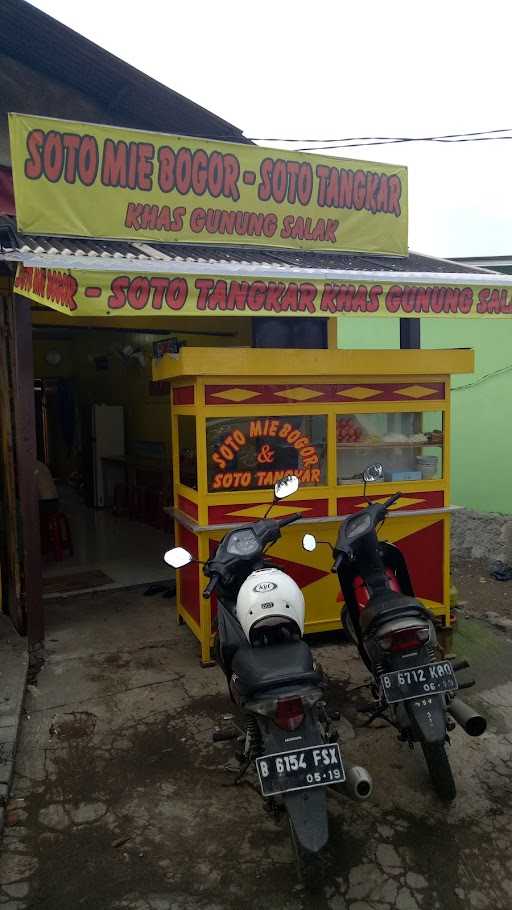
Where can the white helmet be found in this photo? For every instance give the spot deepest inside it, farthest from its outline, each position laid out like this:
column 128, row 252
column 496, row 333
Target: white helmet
column 269, row 600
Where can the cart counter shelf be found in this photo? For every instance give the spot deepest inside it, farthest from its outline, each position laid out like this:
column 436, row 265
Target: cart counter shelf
column 387, row 445
column 244, row 418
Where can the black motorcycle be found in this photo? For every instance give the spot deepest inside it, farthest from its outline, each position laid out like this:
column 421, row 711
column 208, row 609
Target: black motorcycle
column 414, row 688
column 285, row 732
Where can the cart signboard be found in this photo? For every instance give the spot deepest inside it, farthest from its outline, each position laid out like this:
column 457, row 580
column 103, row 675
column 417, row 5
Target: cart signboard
column 255, row 453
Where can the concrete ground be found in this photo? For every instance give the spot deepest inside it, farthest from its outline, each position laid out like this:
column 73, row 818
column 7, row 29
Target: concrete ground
column 484, row 597
column 120, row 798
column 13, row 675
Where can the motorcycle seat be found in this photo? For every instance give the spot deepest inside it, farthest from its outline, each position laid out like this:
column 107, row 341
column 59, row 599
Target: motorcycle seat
column 388, row 605
column 267, row 668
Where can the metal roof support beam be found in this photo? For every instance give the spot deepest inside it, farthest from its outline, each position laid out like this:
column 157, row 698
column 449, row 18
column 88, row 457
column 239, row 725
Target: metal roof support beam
column 410, row 333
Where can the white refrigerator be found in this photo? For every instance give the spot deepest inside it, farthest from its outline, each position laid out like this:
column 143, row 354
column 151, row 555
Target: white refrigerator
column 107, row 438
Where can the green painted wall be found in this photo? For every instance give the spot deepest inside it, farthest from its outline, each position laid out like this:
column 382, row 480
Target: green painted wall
column 481, row 413
column 356, row 333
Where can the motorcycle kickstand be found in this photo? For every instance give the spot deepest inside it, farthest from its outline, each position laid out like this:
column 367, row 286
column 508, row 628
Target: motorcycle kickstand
column 239, row 772
column 377, row 714
column 239, row 782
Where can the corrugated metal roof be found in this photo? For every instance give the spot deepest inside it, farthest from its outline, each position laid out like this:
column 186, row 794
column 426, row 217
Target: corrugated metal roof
column 496, row 263
column 14, row 246
column 13, row 242
column 129, row 97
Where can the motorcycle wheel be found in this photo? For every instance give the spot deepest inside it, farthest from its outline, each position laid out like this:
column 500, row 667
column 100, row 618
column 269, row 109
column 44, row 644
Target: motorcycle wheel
column 440, row 771
column 310, row 866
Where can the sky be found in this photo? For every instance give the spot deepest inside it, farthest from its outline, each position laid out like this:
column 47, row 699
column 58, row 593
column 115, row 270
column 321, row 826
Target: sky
column 289, row 69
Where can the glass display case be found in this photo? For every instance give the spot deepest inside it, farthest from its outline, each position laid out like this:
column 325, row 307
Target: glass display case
column 409, row 445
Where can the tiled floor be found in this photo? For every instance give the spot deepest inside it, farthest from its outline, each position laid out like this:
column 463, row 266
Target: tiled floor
column 129, row 552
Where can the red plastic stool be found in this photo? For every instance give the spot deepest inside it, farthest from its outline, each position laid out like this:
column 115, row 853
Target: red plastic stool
column 56, row 535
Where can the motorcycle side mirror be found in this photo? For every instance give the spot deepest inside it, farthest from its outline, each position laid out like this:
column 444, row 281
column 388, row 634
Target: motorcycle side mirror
column 178, row 557
column 309, row 542
column 286, row 487
column 372, row 473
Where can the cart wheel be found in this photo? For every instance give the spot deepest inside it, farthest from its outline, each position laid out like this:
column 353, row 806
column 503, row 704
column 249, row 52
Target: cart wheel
column 440, row 771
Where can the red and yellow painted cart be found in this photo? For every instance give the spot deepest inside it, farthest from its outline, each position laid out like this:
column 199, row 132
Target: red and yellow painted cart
column 241, row 418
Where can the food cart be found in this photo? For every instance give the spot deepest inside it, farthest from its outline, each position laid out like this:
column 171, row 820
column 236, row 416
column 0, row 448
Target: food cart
column 242, row 420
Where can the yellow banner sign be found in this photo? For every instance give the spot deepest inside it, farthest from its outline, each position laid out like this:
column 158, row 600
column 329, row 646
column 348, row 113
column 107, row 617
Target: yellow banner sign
column 87, row 180
column 106, row 293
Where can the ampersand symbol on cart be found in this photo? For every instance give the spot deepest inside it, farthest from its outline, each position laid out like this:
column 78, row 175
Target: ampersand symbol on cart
column 265, row 455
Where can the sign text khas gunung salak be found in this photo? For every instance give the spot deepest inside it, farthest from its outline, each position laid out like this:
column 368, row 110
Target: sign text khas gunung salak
column 91, row 180
column 84, row 292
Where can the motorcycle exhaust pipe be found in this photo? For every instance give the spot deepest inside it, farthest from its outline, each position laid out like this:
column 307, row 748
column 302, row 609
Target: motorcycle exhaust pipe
column 358, row 783
column 470, row 721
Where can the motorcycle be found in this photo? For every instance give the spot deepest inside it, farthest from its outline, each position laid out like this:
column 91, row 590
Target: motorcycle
column 285, row 733
column 413, row 687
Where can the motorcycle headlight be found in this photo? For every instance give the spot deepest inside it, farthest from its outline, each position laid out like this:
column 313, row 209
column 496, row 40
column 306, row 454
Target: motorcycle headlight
column 358, row 526
column 243, row 543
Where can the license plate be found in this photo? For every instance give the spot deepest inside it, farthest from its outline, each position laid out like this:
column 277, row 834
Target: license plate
column 315, row 766
column 431, row 679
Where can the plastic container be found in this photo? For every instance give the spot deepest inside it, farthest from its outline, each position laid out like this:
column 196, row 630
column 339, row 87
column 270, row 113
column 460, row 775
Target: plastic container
column 427, row 465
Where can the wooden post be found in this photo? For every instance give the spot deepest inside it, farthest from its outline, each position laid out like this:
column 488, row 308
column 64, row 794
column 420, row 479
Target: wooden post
column 26, row 454
column 9, row 556
column 332, row 333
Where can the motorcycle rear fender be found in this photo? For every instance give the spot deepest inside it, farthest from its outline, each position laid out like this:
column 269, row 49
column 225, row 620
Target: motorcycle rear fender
column 427, row 718
column 307, row 809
